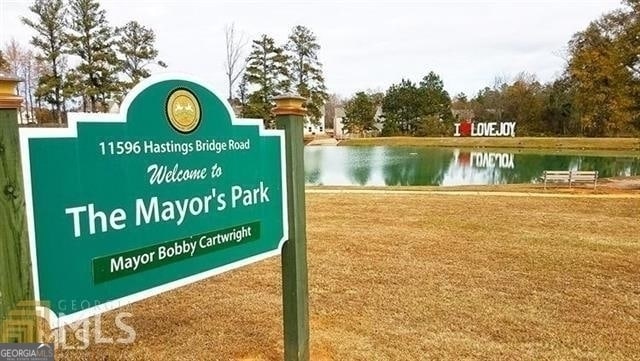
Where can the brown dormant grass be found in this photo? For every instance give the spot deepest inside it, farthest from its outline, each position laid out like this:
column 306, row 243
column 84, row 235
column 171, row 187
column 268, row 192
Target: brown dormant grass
column 421, row 277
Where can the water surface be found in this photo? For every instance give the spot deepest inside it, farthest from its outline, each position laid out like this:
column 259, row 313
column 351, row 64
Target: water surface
column 389, row 166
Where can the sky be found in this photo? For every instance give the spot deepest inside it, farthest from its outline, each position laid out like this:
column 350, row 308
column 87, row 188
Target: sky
column 365, row 45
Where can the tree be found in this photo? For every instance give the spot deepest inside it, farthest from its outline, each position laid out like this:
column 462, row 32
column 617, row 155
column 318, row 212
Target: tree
column 243, row 94
column 417, row 110
column 488, row 104
column 605, row 70
column 559, row 115
column 306, row 70
column 136, row 48
column 14, row 55
column 360, row 112
column 461, row 98
column 92, row 40
column 23, row 64
column 4, row 65
column 49, row 25
column 377, row 96
column 629, row 41
column 523, row 101
column 594, row 70
column 402, row 108
column 233, row 65
column 435, row 100
column 631, row 58
column 267, row 74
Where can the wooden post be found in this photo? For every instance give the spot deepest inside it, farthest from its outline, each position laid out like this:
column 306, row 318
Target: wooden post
column 15, row 264
column 295, row 289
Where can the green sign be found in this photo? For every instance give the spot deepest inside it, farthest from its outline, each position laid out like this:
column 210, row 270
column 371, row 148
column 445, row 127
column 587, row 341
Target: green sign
column 171, row 190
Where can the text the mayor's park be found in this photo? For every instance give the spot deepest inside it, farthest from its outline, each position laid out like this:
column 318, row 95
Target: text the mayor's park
column 90, row 219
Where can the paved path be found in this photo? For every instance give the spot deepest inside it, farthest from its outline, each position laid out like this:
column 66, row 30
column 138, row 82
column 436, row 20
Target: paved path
column 474, row 193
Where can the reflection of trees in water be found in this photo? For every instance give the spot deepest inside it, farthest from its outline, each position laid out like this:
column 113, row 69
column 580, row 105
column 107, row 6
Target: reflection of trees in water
column 360, row 160
column 530, row 167
column 312, row 164
column 611, row 166
column 423, row 167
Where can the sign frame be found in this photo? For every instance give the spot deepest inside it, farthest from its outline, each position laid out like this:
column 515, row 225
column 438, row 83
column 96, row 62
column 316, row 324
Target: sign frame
column 25, row 134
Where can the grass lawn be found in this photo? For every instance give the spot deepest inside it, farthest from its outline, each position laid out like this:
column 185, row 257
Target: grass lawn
column 420, row 277
column 628, row 144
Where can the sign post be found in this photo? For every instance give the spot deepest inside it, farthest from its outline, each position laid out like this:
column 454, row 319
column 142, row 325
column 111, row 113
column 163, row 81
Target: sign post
column 15, row 270
column 295, row 290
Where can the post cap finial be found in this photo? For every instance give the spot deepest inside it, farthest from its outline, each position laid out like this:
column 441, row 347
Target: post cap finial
column 9, row 98
column 289, row 104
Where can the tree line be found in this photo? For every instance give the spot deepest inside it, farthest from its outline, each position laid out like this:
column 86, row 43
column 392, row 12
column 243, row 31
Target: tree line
column 598, row 93
column 79, row 60
column 109, row 61
column 273, row 69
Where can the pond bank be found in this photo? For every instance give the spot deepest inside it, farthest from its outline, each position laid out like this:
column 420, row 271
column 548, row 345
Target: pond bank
column 614, row 187
column 621, row 144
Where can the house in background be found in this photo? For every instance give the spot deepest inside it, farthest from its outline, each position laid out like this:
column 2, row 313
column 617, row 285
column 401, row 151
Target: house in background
column 378, row 120
column 338, row 124
column 462, row 114
column 312, row 129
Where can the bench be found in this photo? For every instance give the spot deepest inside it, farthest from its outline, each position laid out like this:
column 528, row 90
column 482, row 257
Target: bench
column 573, row 176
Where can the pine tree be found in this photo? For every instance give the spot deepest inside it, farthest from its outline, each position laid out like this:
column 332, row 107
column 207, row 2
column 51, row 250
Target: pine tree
column 137, row 51
column 402, row 108
column 306, row 70
column 267, row 74
column 360, row 113
column 417, row 110
column 49, row 25
column 435, row 100
column 243, row 94
column 92, row 40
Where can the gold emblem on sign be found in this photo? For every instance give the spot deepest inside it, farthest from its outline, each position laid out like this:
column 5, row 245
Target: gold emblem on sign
column 183, row 111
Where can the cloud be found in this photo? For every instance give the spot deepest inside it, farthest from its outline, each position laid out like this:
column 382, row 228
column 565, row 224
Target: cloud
column 365, row 44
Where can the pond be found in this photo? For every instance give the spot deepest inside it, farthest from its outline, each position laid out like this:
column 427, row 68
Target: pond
column 409, row 166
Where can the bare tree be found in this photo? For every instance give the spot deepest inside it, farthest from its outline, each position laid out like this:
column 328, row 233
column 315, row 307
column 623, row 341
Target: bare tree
column 23, row 64
column 234, row 64
column 31, row 75
column 13, row 53
column 15, row 58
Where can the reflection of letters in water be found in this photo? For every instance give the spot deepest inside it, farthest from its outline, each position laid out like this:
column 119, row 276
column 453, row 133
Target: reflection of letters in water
column 492, row 160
